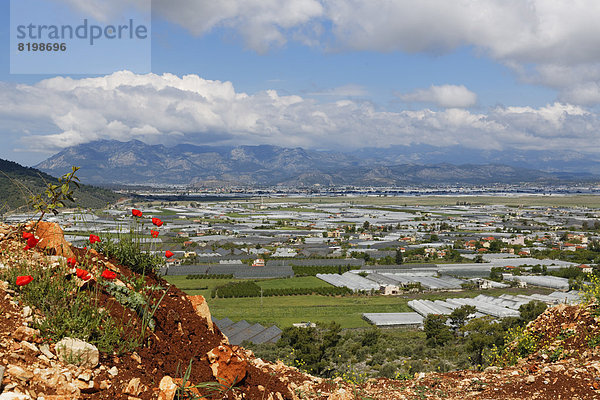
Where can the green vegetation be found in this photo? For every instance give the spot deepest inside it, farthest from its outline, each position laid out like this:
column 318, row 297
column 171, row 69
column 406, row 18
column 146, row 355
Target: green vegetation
column 302, row 282
column 312, row 270
column 18, row 183
column 128, row 251
column 68, row 311
column 210, row 276
column 251, row 289
column 286, row 310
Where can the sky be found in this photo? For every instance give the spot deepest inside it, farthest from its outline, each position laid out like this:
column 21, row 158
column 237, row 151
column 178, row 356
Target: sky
column 333, row 75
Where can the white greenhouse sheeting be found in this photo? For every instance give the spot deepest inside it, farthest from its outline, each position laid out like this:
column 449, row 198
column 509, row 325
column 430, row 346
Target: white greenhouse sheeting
column 393, row 319
column 553, row 282
column 349, row 280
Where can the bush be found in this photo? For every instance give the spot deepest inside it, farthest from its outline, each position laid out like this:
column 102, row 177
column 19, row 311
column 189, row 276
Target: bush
column 129, row 253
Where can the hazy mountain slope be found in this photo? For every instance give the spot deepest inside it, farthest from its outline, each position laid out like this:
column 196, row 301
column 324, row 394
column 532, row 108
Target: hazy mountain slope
column 14, row 196
column 133, row 162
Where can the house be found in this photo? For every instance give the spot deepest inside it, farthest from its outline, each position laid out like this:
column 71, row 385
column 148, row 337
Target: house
column 516, row 241
column 259, row 262
column 334, row 234
column 586, row 269
column 390, row 290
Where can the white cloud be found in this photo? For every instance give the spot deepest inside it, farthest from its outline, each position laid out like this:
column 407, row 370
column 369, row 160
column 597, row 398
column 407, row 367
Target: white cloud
column 448, row 96
column 60, row 112
column 554, row 43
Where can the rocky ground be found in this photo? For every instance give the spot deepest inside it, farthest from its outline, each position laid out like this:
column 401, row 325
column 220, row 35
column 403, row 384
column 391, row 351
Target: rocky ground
column 564, row 365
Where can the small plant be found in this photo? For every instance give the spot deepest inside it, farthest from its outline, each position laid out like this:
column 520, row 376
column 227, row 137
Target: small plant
column 55, row 195
column 187, row 391
column 65, row 309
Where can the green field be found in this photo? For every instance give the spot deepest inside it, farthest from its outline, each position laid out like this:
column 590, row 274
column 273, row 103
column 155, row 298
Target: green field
column 286, row 310
column 301, row 282
column 547, row 201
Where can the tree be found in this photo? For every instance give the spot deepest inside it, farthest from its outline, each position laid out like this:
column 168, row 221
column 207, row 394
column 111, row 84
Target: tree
column 459, row 316
column 436, row 330
column 483, row 333
column 366, row 225
column 371, row 336
column 399, row 257
column 532, row 310
column 478, row 259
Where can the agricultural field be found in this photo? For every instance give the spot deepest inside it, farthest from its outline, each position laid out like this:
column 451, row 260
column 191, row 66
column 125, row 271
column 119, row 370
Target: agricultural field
column 548, row 201
column 283, row 311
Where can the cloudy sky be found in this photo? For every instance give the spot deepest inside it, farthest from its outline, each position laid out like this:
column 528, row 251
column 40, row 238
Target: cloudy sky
column 326, row 74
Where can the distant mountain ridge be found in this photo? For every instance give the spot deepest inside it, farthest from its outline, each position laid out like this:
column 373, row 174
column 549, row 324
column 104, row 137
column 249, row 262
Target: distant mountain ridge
column 134, row 162
column 17, row 182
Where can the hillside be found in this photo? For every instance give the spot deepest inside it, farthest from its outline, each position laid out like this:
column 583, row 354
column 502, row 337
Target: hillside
column 134, row 162
column 13, row 195
column 557, row 357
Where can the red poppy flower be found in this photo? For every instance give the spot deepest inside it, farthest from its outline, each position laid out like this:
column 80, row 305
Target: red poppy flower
column 157, row 221
column 94, row 239
column 31, row 242
column 154, row 233
column 136, row 213
column 27, row 235
column 71, row 262
column 24, row 280
column 108, row 274
column 82, row 274
column 169, row 254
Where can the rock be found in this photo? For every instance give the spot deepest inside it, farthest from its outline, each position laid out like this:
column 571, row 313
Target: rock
column 27, row 311
column 136, row 357
column 24, row 333
column 114, row 371
column 104, row 385
column 201, row 308
column 85, row 376
column 133, row 387
column 77, row 352
column 530, row 379
column 19, row 373
column 167, row 388
column 52, row 238
column 30, row 347
column 14, row 396
column 45, row 349
column 227, row 365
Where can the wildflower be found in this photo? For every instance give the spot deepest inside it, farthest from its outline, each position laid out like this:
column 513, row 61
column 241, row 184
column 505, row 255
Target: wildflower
column 169, row 254
column 83, row 274
column 94, row 239
column 71, row 262
column 136, row 213
column 157, row 221
column 108, row 274
column 154, row 233
column 31, row 242
column 24, row 280
column 27, row 235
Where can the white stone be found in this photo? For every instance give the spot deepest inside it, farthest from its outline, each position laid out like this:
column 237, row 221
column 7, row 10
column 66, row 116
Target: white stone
column 14, row 396
column 114, row 371
column 77, row 352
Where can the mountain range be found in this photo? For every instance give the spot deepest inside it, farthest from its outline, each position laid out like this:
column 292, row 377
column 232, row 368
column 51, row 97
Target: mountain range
column 134, row 162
